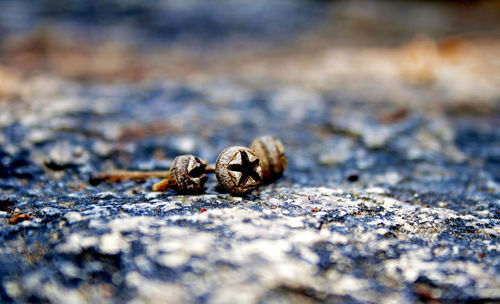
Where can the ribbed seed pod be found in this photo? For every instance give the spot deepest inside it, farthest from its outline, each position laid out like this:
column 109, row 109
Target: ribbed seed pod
column 187, row 175
column 271, row 153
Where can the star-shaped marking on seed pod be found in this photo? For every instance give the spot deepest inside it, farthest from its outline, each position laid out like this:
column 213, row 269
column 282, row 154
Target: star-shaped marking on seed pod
column 189, row 173
column 195, row 167
column 243, row 169
column 238, row 170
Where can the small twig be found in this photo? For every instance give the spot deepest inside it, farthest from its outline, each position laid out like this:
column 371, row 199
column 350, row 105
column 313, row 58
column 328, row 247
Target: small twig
column 115, row 176
column 210, row 168
column 164, row 185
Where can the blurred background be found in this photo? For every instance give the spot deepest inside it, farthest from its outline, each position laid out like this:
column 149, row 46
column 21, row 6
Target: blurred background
column 409, row 51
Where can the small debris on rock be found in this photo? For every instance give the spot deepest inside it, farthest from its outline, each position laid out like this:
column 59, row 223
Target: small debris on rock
column 17, row 218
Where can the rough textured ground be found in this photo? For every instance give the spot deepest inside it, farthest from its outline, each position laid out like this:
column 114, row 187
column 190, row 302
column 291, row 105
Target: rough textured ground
column 392, row 194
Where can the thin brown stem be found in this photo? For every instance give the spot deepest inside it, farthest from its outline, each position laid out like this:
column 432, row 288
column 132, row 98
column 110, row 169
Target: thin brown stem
column 165, row 184
column 115, row 176
column 210, row 168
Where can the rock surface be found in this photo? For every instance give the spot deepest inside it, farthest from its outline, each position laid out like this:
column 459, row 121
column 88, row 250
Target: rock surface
column 382, row 202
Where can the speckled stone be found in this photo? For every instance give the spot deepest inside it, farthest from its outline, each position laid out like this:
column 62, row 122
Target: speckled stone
column 417, row 223
column 380, row 203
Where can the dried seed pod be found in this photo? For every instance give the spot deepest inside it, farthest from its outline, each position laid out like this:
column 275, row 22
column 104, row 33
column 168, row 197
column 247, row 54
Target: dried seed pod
column 238, row 170
column 187, row 175
column 272, row 157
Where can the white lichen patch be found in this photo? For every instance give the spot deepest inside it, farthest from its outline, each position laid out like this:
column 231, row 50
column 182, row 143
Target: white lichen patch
column 154, row 291
column 76, row 242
